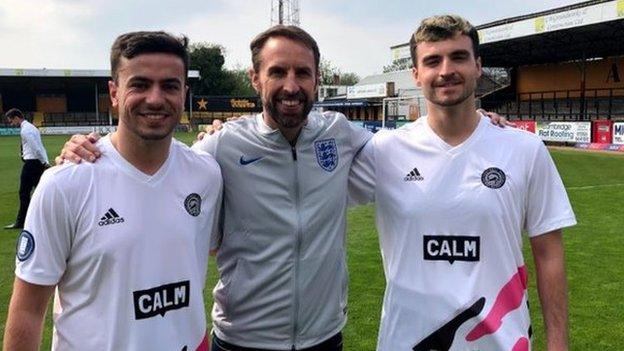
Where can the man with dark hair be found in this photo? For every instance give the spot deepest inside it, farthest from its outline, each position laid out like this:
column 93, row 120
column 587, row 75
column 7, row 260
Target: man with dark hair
column 455, row 197
column 439, row 28
column 133, row 44
column 125, row 241
column 281, row 249
column 35, row 160
column 281, row 257
column 289, row 32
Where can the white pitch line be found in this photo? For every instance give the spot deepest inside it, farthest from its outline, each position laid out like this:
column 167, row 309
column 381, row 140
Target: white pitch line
column 595, row 186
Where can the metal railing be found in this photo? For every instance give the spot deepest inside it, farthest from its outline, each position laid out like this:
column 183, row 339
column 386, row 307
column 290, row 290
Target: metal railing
column 574, row 105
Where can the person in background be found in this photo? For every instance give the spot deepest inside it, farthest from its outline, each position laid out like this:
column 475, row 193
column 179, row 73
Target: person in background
column 35, row 160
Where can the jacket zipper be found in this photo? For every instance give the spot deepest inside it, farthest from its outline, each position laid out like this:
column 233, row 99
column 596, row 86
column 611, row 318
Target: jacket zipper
column 294, row 154
column 297, row 251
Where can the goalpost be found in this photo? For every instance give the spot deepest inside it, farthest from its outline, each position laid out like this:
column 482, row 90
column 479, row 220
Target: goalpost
column 403, row 108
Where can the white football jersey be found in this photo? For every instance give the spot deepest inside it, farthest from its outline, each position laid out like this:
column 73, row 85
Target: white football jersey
column 127, row 251
column 450, row 221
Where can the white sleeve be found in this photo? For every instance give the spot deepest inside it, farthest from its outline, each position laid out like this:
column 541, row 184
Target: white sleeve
column 547, row 204
column 45, row 243
column 362, row 176
column 208, row 143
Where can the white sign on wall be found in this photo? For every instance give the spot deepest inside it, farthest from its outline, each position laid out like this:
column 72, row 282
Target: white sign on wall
column 77, row 130
column 618, row 133
column 602, row 12
column 573, row 132
column 400, row 52
column 367, row 91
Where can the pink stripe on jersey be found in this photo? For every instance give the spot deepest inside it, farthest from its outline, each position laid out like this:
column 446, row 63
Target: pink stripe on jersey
column 203, row 346
column 521, row 345
column 509, row 298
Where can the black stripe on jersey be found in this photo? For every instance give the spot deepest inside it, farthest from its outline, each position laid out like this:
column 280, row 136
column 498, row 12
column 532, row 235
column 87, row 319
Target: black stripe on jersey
column 442, row 339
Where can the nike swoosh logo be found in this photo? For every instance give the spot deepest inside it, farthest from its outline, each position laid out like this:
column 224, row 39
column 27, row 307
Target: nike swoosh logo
column 251, row 160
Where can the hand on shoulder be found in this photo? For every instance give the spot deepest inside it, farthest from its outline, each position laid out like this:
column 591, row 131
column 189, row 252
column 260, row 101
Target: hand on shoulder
column 78, row 148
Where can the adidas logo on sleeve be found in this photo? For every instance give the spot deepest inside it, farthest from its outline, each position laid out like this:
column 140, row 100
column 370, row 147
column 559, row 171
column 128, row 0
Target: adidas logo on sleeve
column 110, row 217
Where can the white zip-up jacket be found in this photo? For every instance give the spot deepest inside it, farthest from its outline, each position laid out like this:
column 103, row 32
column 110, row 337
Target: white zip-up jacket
column 281, row 252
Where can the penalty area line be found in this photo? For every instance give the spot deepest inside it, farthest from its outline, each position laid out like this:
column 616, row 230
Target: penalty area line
column 588, row 187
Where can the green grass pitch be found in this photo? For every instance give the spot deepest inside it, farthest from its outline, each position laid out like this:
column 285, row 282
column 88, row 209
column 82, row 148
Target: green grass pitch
column 594, row 253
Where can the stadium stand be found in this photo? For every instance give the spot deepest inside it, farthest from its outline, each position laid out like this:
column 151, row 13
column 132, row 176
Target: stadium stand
column 565, row 63
column 63, row 98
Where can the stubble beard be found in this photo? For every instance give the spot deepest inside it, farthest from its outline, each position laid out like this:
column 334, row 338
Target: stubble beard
column 450, row 103
column 467, row 93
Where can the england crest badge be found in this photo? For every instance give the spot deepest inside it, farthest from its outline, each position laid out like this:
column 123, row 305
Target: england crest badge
column 326, row 154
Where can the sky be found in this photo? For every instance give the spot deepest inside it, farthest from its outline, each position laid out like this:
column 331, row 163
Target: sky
column 355, row 35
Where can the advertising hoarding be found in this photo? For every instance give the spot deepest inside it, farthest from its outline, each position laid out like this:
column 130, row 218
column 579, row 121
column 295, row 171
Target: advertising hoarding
column 570, row 132
column 618, row 133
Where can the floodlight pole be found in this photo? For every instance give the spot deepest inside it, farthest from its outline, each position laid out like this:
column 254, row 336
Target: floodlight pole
column 285, row 12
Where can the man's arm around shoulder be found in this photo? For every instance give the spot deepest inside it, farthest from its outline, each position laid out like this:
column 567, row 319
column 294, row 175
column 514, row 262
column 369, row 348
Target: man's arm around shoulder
column 552, row 287
column 25, row 318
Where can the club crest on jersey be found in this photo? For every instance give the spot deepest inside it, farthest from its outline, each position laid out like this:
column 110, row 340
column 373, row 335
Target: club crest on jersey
column 25, row 246
column 493, row 178
column 192, row 204
column 326, row 154
column 161, row 299
column 451, row 248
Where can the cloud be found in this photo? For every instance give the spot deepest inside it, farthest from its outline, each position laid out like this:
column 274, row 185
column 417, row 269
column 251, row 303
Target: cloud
column 31, row 34
column 355, row 35
column 78, row 33
column 363, row 49
column 233, row 27
column 351, row 46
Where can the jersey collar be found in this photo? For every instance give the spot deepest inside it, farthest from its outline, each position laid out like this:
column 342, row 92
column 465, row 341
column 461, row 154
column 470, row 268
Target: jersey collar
column 453, row 150
column 266, row 130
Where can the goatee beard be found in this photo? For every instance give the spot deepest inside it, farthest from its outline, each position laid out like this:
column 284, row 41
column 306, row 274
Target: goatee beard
column 289, row 121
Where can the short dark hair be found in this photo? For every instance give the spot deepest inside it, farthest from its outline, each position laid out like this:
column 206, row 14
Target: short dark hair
column 290, row 32
column 132, row 44
column 443, row 27
column 14, row 113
